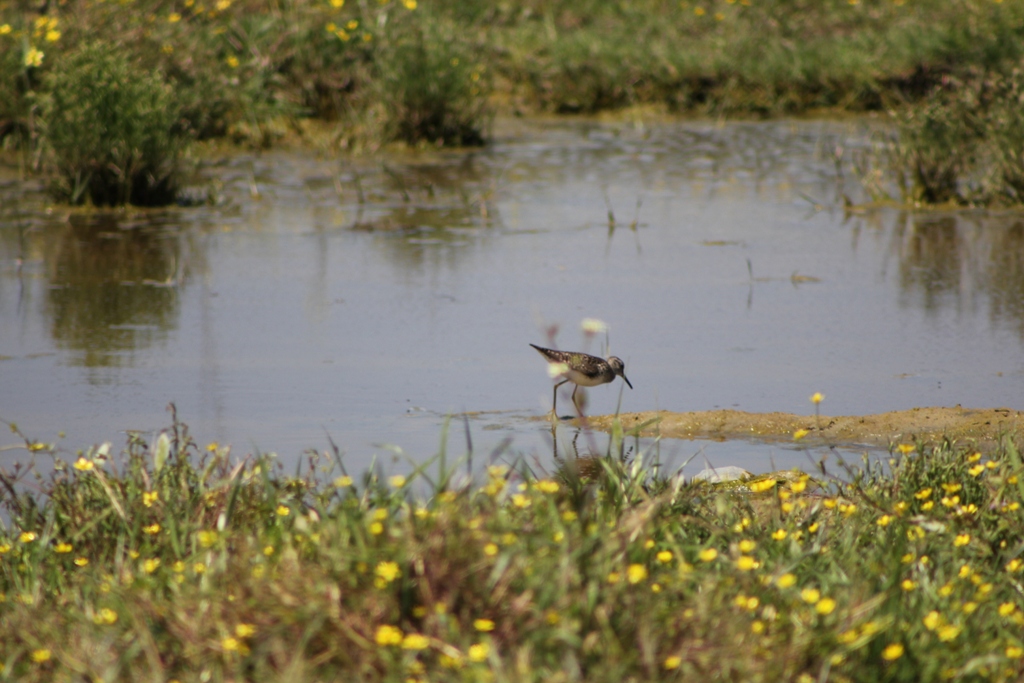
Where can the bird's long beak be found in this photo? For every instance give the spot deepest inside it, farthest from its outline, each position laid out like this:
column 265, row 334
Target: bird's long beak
column 627, row 381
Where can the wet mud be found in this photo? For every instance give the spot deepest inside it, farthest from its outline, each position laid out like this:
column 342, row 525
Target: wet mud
column 983, row 426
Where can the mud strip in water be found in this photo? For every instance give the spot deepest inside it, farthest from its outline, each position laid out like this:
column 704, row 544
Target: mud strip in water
column 983, row 426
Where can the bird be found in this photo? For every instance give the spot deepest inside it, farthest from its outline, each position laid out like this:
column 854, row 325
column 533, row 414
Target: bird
column 582, row 369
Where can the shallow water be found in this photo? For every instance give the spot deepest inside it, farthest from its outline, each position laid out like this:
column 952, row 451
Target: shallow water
column 368, row 299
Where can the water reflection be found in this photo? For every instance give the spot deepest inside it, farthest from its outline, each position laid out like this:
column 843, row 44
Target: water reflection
column 961, row 261
column 113, row 288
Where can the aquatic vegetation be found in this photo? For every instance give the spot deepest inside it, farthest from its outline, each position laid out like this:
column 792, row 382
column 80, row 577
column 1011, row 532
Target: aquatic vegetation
column 176, row 562
column 110, row 132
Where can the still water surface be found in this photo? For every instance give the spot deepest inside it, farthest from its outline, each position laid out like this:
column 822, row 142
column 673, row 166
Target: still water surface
column 367, row 299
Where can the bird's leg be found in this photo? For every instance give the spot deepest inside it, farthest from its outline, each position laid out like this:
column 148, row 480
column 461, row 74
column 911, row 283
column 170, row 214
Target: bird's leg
column 554, row 397
column 578, row 411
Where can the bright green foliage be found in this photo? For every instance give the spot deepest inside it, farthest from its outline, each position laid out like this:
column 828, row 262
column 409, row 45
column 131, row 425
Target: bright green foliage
column 201, row 569
column 110, row 130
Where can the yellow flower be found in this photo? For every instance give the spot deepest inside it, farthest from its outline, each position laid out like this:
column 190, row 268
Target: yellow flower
column 547, row 486
column 928, row 505
column 105, row 616
column 520, row 500
column 222, row 5
column 961, row 540
column 825, row 606
column 479, row 652
column 810, row 595
column 908, row 585
column 174, row 17
column 81, row 561
column 779, row 534
column 484, row 625
column 62, row 548
column 415, row 641
column 969, row 607
column 376, row 528
column 52, row 36
column 614, row 577
column 813, row 527
column 798, row 486
column 343, row 481
column 388, row 635
column 1014, row 565
column 387, row 571
column 785, row 581
column 207, row 538
column 817, row 397
column 34, row 57
column 951, row 501
column 409, row 4
column 976, row 470
column 152, row 529
column 932, row 620
column 948, row 632
column 230, row 644
column 397, row 481
column 892, row 652
column 707, row 555
column 283, row 510
column 915, row 532
column 83, row 465
column 1006, row 609
column 883, row 520
column 952, row 488
column 5, row 29
column 761, row 486
column 1014, row 652
column 747, row 545
column 27, row 536
column 800, row 433
column 150, row 497
column 232, row 61
column 636, row 573
column 946, row 590
column 673, row 661
column 40, row 656
column 665, row 556
column 151, row 565
column 337, row 4
column 905, row 448
column 491, row 549
column 745, row 563
column 974, row 458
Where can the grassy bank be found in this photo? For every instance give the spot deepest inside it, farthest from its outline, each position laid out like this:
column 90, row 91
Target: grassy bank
column 172, row 562
column 433, row 73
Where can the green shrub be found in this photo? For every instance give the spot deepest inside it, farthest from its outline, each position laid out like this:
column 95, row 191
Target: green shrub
column 1004, row 131
column 937, row 145
column 430, row 87
column 110, row 131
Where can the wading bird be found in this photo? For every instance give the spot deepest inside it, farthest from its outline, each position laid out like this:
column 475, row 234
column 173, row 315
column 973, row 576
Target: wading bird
column 581, row 369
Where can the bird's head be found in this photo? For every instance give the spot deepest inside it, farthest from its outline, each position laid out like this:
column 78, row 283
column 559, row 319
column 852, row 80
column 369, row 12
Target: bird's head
column 619, row 368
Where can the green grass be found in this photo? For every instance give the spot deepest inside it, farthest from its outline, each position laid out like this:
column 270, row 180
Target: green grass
column 173, row 563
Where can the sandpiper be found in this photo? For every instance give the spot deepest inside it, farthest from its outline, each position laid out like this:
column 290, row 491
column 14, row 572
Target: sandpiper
column 582, row 369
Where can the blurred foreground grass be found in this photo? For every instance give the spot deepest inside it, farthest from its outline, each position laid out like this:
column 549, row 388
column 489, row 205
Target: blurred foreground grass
column 167, row 563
